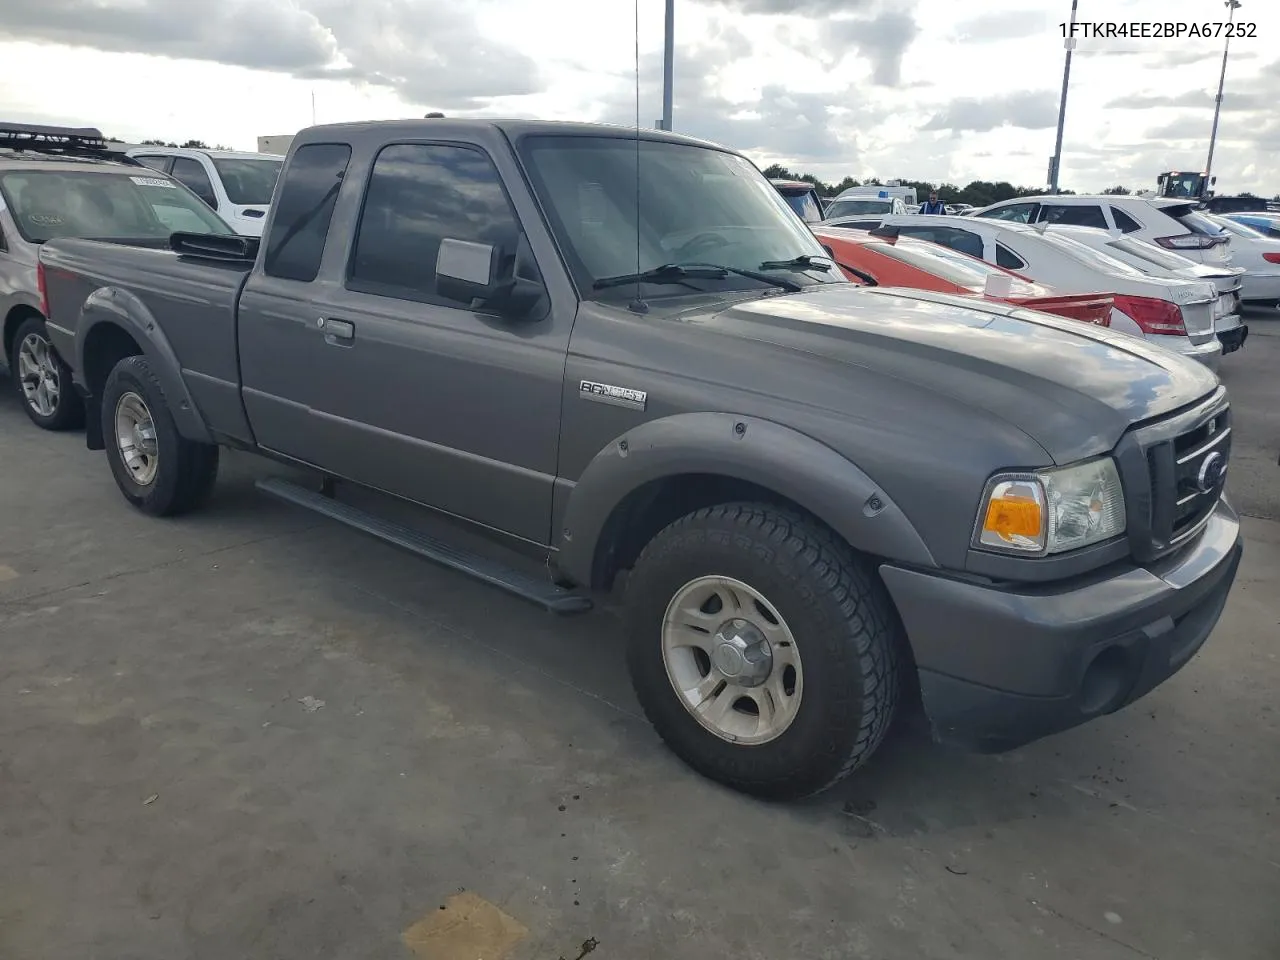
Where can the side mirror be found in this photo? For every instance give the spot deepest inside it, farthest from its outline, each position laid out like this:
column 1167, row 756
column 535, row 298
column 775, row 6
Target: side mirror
column 1213, row 181
column 468, row 271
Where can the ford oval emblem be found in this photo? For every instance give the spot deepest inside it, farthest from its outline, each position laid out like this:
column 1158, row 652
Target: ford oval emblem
column 1211, row 471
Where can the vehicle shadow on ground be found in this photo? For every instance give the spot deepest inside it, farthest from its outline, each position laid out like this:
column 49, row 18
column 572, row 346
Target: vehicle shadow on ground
column 911, row 787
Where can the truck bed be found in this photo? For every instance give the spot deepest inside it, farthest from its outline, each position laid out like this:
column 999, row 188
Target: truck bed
column 196, row 297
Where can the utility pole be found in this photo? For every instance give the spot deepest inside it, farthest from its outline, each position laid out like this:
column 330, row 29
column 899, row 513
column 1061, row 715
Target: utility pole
column 1055, row 162
column 1232, row 6
column 668, row 62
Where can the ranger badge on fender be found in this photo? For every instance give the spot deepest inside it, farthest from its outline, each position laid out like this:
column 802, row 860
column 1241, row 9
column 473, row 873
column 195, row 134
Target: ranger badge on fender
column 608, row 393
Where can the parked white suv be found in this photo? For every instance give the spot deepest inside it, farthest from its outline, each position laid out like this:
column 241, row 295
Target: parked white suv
column 1174, row 224
column 237, row 185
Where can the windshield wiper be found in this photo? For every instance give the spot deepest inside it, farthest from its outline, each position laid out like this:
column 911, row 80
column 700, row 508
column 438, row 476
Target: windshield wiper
column 802, row 262
column 867, row 278
column 679, row 272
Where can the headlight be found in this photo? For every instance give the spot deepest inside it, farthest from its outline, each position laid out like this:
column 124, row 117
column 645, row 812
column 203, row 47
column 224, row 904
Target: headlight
column 1051, row 511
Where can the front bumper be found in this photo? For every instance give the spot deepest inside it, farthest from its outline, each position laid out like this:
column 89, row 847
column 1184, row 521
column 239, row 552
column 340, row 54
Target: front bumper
column 1000, row 667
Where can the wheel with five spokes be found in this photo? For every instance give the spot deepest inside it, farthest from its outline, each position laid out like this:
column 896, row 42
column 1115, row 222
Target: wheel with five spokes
column 763, row 649
column 42, row 380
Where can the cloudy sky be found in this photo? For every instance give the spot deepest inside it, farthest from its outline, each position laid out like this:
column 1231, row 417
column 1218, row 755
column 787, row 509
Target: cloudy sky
column 924, row 89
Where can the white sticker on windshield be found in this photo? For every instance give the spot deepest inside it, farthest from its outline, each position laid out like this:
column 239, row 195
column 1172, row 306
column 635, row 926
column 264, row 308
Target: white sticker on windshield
column 154, row 182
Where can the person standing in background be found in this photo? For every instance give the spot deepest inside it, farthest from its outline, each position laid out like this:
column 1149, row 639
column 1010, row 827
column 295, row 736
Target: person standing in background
column 933, row 204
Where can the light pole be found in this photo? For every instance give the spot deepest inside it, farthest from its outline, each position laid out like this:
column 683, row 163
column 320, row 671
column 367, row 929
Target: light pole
column 668, row 63
column 1056, row 160
column 1232, row 6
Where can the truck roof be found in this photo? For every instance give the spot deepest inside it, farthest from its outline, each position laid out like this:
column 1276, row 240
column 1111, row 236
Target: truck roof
column 514, row 128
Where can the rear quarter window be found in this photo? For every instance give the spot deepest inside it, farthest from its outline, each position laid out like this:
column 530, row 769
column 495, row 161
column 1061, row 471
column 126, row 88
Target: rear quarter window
column 1124, row 222
column 308, row 195
column 1008, row 259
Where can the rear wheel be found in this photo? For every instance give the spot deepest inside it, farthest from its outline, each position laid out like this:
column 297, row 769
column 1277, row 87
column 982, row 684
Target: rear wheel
column 43, row 381
column 157, row 469
column 763, row 650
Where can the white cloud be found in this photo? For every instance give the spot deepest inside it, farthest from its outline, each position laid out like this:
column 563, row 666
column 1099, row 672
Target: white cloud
column 925, row 89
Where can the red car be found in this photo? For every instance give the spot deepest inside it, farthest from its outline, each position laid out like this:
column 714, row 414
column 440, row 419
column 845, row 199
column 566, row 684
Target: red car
column 903, row 262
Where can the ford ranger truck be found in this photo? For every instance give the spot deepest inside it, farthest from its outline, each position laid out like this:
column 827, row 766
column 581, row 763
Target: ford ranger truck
column 620, row 350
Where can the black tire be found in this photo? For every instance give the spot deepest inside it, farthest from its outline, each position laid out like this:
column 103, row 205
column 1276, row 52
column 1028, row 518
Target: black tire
column 185, row 470
column 845, row 629
column 68, row 410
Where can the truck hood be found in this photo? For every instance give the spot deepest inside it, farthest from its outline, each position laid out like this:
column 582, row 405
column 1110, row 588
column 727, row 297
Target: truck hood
column 1072, row 387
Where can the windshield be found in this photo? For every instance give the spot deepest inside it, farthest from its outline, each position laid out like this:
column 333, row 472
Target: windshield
column 1089, row 256
column 248, row 182
column 950, row 265
column 805, row 205
column 1187, row 185
column 688, row 205
column 854, row 208
column 48, row 204
column 1151, row 253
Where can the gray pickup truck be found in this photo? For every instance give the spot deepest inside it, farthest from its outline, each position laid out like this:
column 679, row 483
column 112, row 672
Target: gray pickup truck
column 620, row 351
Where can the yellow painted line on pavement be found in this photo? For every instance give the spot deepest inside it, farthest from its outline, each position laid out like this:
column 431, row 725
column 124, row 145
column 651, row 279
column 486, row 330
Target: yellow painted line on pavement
column 7, row 573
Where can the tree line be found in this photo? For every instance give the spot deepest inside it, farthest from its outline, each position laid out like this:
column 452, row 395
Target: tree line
column 189, row 145
column 979, row 193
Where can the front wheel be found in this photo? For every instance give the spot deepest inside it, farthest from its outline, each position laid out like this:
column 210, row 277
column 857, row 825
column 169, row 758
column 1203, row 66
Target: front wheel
column 43, row 381
column 762, row 649
column 157, row 469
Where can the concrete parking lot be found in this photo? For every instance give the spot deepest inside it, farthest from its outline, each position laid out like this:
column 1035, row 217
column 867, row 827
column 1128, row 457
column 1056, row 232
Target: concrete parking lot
column 250, row 733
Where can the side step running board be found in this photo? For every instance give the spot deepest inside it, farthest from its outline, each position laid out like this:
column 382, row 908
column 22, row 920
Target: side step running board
column 542, row 592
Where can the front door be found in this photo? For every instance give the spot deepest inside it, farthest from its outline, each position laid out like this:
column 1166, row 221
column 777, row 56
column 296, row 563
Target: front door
column 419, row 395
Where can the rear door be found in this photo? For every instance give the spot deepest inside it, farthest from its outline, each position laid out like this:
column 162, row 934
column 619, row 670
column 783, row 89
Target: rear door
column 277, row 318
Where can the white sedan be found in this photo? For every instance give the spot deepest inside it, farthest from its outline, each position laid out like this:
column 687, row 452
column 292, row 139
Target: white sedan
column 1259, row 254
column 1157, row 262
column 1176, row 314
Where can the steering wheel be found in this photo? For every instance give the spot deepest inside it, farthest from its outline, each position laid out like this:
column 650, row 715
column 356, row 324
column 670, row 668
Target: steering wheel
column 707, row 240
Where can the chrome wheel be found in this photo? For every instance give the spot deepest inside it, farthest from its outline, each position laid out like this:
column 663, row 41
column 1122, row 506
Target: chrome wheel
column 38, row 374
column 732, row 660
column 136, row 438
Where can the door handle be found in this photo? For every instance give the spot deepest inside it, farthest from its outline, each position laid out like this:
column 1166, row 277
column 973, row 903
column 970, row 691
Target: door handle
column 336, row 330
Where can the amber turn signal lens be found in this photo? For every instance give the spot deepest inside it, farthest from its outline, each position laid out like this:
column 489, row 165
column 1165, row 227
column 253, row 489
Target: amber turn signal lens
column 1009, row 517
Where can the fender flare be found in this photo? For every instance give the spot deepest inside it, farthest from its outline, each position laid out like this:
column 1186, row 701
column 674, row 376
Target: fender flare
column 768, row 454
column 122, row 309
column 21, row 301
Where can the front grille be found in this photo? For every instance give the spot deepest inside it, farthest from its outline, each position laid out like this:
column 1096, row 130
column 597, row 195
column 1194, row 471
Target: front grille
column 1184, row 459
